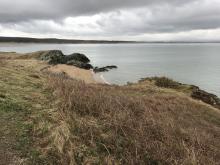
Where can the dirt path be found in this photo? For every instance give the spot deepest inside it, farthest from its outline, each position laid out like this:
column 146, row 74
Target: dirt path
column 22, row 96
column 10, row 120
column 24, row 102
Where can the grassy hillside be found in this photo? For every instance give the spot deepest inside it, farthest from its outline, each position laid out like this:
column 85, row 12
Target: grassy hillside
column 53, row 119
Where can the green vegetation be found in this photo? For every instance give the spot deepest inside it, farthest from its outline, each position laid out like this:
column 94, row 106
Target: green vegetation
column 166, row 82
column 22, row 100
column 52, row 119
column 191, row 90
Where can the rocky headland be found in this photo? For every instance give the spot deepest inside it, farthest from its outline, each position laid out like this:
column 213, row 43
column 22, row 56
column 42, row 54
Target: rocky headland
column 192, row 90
column 55, row 57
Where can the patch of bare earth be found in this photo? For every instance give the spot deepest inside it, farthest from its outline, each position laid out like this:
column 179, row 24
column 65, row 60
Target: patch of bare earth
column 73, row 72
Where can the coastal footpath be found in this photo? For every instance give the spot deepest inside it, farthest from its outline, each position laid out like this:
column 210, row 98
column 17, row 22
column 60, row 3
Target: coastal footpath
column 53, row 110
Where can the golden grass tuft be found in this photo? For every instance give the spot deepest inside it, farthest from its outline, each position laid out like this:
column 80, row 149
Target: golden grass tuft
column 116, row 125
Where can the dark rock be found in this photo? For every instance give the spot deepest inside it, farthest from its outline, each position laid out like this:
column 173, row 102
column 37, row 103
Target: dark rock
column 77, row 57
column 205, row 97
column 111, row 67
column 80, row 64
column 97, row 69
column 57, row 57
column 104, row 69
column 53, row 57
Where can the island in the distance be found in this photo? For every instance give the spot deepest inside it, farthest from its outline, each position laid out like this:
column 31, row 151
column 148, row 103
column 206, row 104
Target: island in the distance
column 54, row 110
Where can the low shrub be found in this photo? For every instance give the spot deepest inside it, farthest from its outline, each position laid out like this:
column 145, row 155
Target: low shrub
column 166, row 82
column 107, row 125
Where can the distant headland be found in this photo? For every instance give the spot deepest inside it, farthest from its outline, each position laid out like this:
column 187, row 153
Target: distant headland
column 59, row 41
column 78, row 41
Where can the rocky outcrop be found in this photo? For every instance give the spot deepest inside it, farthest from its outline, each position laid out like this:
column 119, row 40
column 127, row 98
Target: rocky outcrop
column 104, row 69
column 79, row 64
column 79, row 60
column 192, row 90
column 55, row 57
column 205, row 97
column 77, row 57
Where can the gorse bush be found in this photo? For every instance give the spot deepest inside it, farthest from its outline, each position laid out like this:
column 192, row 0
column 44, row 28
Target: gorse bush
column 110, row 125
column 166, row 82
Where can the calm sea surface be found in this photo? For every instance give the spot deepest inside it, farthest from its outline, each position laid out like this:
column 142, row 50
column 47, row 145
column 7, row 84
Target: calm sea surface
column 197, row 64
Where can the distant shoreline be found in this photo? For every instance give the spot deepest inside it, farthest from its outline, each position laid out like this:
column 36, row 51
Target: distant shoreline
column 58, row 41
column 76, row 41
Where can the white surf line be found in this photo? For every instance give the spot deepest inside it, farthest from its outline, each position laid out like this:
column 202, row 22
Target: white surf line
column 99, row 78
column 102, row 77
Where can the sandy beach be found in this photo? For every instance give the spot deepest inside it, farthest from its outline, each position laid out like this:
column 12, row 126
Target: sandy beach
column 80, row 74
column 87, row 76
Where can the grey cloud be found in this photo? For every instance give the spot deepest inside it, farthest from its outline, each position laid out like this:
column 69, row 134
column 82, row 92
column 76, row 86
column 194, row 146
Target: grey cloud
column 115, row 17
column 165, row 19
column 23, row 10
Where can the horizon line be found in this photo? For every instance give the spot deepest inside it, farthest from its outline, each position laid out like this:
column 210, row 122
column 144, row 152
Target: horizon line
column 60, row 40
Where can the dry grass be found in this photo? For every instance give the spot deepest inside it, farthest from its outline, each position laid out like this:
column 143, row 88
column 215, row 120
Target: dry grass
column 24, row 56
column 111, row 125
column 8, row 55
column 33, row 55
column 78, row 123
column 73, row 72
column 166, row 83
column 25, row 110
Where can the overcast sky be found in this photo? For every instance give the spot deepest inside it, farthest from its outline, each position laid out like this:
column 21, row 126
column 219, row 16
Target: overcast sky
column 149, row 20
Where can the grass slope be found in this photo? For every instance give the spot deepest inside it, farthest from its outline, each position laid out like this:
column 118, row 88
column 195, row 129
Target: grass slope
column 128, row 125
column 51, row 119
column 23, row 99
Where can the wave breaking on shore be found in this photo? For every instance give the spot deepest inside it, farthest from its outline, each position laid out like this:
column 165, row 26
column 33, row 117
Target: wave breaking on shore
column 99, row 78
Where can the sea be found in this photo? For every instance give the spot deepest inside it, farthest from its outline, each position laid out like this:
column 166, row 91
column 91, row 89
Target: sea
column 190, row 63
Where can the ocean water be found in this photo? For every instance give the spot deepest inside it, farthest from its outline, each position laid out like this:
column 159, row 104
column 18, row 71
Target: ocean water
column 197, row 64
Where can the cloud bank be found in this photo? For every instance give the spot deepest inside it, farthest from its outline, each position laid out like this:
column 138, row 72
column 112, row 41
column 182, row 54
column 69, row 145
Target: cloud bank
column 157, row 20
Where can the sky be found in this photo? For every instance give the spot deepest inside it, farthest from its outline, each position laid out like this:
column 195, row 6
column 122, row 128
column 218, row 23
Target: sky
column 141, row 20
